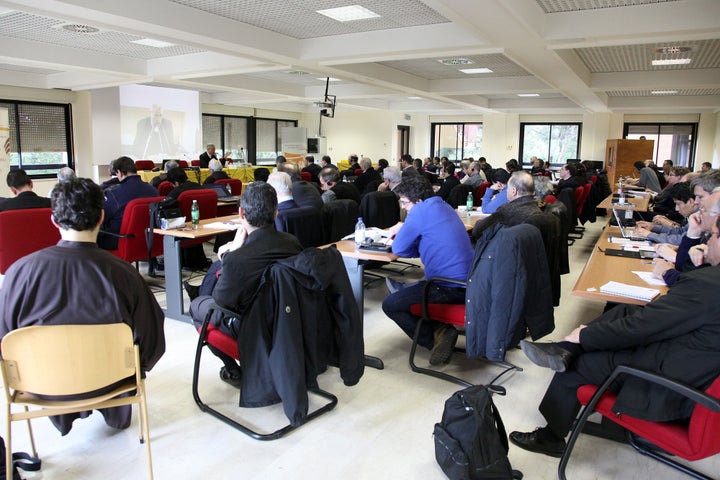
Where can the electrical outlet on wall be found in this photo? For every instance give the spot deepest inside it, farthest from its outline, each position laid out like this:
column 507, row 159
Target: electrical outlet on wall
column 509, row 148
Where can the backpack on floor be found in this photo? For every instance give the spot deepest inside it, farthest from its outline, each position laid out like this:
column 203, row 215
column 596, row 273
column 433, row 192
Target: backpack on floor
column 470, row 440
column 20, row 460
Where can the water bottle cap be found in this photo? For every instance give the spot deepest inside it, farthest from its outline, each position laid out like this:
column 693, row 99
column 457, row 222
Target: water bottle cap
column 359, row 219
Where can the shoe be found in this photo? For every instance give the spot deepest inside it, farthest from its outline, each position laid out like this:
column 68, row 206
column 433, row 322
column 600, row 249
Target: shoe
column 233, row 378
column 445, row 339
column 548, row 355
column 542, row 440
column 393, row 285
column 193, row 291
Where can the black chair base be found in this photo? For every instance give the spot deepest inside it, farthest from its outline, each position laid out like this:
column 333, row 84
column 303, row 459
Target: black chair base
column 332, row 400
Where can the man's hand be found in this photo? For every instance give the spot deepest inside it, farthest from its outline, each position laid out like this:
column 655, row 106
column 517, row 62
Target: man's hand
column 641, row 232
column 382, row 187
column 667, row 251
column 574, row 336
column 645, row 225
column 661, row 266
column 392, row 231
column 697, row 254
column 663, row 220
column 238, row 241
column 694, row 225
column 497, row 186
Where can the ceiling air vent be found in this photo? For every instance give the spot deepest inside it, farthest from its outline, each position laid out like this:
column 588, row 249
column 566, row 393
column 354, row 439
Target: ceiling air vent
column 455, row 61
column 671, row 50
column 77, row 28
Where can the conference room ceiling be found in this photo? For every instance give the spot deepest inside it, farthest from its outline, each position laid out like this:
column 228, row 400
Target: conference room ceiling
column 572, row 56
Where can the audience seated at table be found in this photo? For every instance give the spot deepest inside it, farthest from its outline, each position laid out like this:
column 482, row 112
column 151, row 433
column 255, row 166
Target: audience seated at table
column 568, row 179
column 232, row 281
column 75, row 282
column 179, row 179
column 326, row 161
column 131, row 186
column 496, row 194
column 537, row 166
column 407, row 167
column 448, row 181
column 475, row 176
column 169, row 165
column 662, row 230
column 444, row 248
column 677, row 336
column 334, row 189
column 216, row 172
column 312, row 168
column 648, row 177
column 282, row 184
column 367, row 176
column 354, row 165
column 22, row 187
column 305, row 194
column 662, row 203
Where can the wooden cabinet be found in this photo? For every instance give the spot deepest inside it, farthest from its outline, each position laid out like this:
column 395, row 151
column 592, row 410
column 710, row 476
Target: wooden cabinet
column 620, row 155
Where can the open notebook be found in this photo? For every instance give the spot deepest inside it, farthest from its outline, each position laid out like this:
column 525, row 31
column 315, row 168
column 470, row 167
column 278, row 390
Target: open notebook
column 630, row 291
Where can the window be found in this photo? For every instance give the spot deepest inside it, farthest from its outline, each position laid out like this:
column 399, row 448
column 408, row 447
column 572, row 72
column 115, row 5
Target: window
column 456, row 140
column 40, row 137
column 673, row 141
column 554, row 142
column 268, row 141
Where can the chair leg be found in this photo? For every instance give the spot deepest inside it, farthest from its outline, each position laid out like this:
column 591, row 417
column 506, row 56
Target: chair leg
column 8, row 443
column 30, row 433
column 428, row 371
column 143, row 415
column 663, row 459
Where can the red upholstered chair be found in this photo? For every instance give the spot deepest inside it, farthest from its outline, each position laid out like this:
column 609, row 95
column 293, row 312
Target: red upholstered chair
column 211, row 336
column 358, row 172
column 480, row 192
column 133, row 240
column 581, row 195
column 594, row 179
column 183, row 164
column 691, row 441
column 164, row 188
column 235, row 185
column 207, row 201
column 194, row 163
column 550, row 199
column 23, row 232
column 451, row 314
column 306, row 176
column 144, row 164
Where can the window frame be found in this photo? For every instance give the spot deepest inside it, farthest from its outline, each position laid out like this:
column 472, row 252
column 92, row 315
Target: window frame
column 659, row 125
column 434, row 148
column 67, row 113
column 547, row 154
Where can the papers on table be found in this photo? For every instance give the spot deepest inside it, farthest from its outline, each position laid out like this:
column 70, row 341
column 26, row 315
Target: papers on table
column 650, row 279
column 630, row 291
column 373, row 233
column 230, row 225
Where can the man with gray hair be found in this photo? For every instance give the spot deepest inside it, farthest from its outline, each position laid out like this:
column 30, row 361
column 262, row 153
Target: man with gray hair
column 216, row 172
column 520, row 206
column 208, row 155
column 474, row 175
column 392, row 176
column 282, row 184
column 334, row 189
column 169, row 165
column 305, row 194
column 368, row 175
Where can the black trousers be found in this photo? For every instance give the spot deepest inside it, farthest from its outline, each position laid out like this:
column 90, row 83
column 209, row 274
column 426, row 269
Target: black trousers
column 560, row 405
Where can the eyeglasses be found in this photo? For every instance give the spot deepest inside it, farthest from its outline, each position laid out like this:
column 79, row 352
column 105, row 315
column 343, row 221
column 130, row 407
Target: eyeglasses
column 405, row 203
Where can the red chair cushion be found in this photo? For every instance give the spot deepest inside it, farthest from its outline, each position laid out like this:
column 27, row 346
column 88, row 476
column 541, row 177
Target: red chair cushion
column 450, row 313
column 164, row 188
column 549, row 199
column 195, row 163
column 182, row 163
column 306, row 176
column 235, row 185
column 144, row 164
column 224, row 343
column 23, row 232
column 358, row 172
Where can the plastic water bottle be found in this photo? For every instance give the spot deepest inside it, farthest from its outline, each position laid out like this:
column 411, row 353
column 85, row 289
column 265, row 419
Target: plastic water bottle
column 195, row 215
column 359, row 232
column 469, row 202
column 621, row 195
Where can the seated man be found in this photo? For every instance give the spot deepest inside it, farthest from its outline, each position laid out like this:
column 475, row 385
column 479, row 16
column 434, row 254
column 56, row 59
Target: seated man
column 367, row 176
column 520, row 206
column 312, row 168
column 326, row 161
column 648, row 177
column 208, row 155
column 21, row 186
column 75, row 282
column 305, row 194
column 672, row 233
column 131, row 186
column 449, row 181
column 407, row 167
column 354, row 165
column 216, row 172
column 663, row 210
column 677, row 335
column 113, row 180
column 475, row 176
column 444, row 248
column 568, row 178
column 179, row 179
column 496, row 194
column 334, row 189
column 242, row 262
column 169, row 165
column 282, row 184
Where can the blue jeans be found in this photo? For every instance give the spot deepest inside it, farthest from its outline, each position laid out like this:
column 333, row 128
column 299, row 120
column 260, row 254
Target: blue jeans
column 397, row 307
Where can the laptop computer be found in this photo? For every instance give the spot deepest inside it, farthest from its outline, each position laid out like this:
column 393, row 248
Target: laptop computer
column 223, row 192
column 623, row 231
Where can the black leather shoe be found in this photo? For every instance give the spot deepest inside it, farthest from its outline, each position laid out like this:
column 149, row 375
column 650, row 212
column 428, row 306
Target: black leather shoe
column 548, row 355
column 193, row 291
column 539, row 441
column 233, row 378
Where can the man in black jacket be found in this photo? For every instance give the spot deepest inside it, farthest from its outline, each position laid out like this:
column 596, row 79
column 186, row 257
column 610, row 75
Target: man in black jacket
column 677, row 336
column 242, row 262
column 368, row 175
column 21, row 186
column 450, row 181
column 208, row 155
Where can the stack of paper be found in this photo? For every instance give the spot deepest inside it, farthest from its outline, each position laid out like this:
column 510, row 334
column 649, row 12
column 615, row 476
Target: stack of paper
column 630, row 291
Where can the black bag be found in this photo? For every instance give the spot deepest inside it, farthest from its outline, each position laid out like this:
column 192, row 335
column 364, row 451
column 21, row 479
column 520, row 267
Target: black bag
column 20, row 460
column 168, row 208
column 470, row 440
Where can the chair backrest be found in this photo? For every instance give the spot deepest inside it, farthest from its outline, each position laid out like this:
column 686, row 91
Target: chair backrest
column 235, row 185
column 194, row 163
column 183, row 163
column 23, row 232
column 358, row 172
column 306, row 223
column 67, row 359
column 165, row 187
column 380, row 209
column 704, row 426
column 550, row 199
column 480, row 191
column 307, row 176
column 135, row 221
column 144, row 164
column 581, row 194
column 458, row 195
column 339, row 219
column 207, row 201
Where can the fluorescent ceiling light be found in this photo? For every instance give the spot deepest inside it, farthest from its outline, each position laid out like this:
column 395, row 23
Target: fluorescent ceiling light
column 664, row 92
column 332, row 79
column 153, row 43
column 528, row 94
column 4, row 10
column 414, row 98
column 349, row 13
column 470, row 71
column 674, row 61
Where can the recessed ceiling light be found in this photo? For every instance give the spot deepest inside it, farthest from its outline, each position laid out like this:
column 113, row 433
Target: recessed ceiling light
column 528, row 94
column 297, row 72
column 456, row 61
column 349, row 13
column 414, row 98
column 153, row 43
column 332, row 79
column 4, row 11
column 672, row 61
column 471, row 71
column 664, row 92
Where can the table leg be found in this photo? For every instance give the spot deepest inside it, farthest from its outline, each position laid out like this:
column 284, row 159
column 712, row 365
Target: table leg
column 355, row 270
column 173, row 280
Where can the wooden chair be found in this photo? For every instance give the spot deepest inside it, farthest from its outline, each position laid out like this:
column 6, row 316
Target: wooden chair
column 71, row 360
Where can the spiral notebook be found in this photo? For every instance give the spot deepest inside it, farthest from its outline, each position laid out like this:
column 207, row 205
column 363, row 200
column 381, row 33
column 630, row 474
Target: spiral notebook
column 630, row 291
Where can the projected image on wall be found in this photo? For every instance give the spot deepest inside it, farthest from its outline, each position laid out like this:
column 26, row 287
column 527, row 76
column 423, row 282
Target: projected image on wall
column 158, row 123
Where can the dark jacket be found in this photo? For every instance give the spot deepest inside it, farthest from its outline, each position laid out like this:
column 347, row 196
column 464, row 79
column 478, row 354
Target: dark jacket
column 215, row 176
column 24, row 200
column 508, row 291
column 116, row 199
column 447, row 185
column 346, row 191
column 303, row 319
column 313, row 169
column 205, row 159
column 677, row 336
column 183, row 187
column 306, row 194
column 369, row 175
